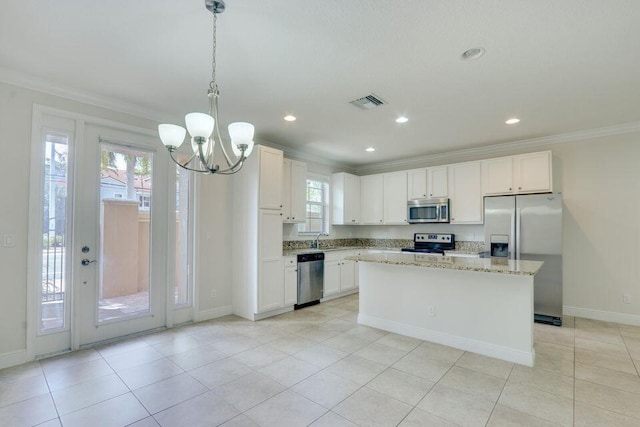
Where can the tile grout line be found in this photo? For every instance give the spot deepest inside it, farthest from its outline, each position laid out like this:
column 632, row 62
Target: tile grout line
column 500, row 395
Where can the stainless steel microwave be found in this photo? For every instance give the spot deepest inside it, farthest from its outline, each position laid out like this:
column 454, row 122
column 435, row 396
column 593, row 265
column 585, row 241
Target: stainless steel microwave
column 427, row 210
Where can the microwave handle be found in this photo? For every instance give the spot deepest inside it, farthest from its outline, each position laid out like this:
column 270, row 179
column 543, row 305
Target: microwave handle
column 445, row 209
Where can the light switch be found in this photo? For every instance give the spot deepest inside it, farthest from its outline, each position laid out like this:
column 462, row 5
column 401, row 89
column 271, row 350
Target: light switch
column 9, row 240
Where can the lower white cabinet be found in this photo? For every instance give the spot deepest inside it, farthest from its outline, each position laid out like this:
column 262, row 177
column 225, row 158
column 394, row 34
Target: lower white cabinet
column 339, row 273
column 290, row 281
column 270, row 271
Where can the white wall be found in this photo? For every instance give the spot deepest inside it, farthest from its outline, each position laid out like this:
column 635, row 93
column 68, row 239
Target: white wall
column 16, row 106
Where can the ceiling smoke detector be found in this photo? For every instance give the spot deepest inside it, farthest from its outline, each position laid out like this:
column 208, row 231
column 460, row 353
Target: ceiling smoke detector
column 368, row 102
column 473, row 53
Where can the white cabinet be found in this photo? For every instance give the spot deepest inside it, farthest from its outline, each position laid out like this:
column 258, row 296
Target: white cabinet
column 417, row 184
column 372, row 199
column 257, row 264
column 526, row 173
column 290, row 281
column 271, row 275
column 437, row 185
column 339, row 273
column 395, row 198
column 294, row 185
column 497, row 176
column 270, row 178
column 345, row 197
column 465, row 192
column 331, row 277
column 532, row 172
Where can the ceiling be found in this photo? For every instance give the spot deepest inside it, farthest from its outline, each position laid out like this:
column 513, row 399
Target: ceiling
column 559, row 66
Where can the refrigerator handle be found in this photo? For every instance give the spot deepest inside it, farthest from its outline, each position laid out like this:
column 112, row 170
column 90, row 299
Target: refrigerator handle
column 518, row 220
column 512, row 236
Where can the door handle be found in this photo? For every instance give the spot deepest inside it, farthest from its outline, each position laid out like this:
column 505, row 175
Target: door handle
column 87, row 262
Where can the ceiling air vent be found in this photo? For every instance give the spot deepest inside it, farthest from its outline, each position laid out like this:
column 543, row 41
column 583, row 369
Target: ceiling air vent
column 367, row 102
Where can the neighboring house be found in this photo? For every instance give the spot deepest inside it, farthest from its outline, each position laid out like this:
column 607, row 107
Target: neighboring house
column 113, row 185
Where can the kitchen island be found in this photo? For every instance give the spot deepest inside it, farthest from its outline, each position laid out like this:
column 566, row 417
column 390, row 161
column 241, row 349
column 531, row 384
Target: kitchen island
column 483, row 305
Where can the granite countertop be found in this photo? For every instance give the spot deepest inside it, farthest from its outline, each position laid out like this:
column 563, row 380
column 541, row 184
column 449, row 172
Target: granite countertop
column 487, row 265
column 294, row 252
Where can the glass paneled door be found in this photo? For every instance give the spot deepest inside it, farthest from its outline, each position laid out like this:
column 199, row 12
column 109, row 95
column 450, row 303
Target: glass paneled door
column 121, row 236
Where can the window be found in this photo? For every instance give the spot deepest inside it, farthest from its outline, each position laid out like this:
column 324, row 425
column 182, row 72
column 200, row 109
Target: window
column 317, row 218
column 144, row 202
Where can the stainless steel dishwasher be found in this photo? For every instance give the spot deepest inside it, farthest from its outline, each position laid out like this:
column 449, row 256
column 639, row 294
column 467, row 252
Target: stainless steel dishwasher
column 310, row 279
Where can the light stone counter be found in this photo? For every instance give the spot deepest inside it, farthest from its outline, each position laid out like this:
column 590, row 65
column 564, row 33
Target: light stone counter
column 294, row 252
column 486, row 265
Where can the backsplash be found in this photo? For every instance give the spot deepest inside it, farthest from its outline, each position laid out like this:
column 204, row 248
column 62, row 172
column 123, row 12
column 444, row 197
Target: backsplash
column 290, row 245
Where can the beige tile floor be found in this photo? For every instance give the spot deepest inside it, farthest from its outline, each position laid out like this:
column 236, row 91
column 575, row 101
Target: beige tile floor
column 318, row 367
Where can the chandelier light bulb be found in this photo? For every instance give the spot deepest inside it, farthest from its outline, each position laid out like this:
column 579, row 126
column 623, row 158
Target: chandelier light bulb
column 171, row 135
column 199, row 125
column 241, row 133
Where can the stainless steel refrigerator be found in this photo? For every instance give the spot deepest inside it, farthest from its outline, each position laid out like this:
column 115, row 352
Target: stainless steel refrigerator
column 530, row 228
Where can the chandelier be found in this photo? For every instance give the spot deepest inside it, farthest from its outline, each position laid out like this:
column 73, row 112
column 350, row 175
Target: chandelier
column 204, row 130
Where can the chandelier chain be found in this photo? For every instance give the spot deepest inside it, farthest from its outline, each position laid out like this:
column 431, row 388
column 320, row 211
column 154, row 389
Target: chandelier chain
column 214, row 85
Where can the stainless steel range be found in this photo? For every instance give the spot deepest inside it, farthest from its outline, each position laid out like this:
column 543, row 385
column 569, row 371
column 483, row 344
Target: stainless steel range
column 432, row 243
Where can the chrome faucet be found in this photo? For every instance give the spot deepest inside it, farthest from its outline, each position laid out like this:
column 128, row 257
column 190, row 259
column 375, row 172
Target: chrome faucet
column 314, row 244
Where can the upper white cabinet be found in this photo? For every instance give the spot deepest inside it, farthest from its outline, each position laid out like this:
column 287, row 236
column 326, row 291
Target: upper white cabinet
column 270, row 178
column 294, row 183
column 395, row 198
column 372, row 199
column 526, row 173
column 345, row 197
column 532, row 172
column 465, row 191
column 437, row 185
column 417, row 184
column 497, row 176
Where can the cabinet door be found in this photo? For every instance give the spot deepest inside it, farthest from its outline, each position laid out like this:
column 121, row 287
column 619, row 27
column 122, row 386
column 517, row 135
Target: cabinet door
column 290, row 286
column 395, row 198
column 466, row 193
column 497, row 176
column 347, row 275
column 417, row 184
column 352, row 190
column 286, row 190
column 331, row 277
column 270, row 190
column 372, row 200
column 298, row 191
column 532, row 172
column 270, row 285
column 437, row 185
column 270, row 233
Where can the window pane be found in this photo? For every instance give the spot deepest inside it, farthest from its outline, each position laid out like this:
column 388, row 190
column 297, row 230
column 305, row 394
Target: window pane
column 316, row 220
column 54, row 238
column 125, row 231
column 183, row 215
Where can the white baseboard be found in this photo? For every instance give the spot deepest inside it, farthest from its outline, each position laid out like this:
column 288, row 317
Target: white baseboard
column 213, row 313
column 13, row 358
column 606, row 316
column 486, row 349
column 266, row 314
column 340, row 295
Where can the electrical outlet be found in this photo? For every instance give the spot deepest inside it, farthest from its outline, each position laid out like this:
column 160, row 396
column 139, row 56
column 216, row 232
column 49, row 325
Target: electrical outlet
column 626, row 298
column 214, row 293
column 431, row 311
column 9, row 240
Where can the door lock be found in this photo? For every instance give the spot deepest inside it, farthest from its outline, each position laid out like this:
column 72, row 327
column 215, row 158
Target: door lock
column 87, row 262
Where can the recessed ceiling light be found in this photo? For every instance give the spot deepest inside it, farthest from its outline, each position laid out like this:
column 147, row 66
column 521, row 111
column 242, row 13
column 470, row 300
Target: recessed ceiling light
column 402, row 119
column 370, row 150
column 290, row 118
column 473, row 53
column 512, row 121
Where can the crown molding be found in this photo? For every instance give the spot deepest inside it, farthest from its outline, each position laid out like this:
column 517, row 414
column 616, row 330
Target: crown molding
column 497, row 149
column 26, row 81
